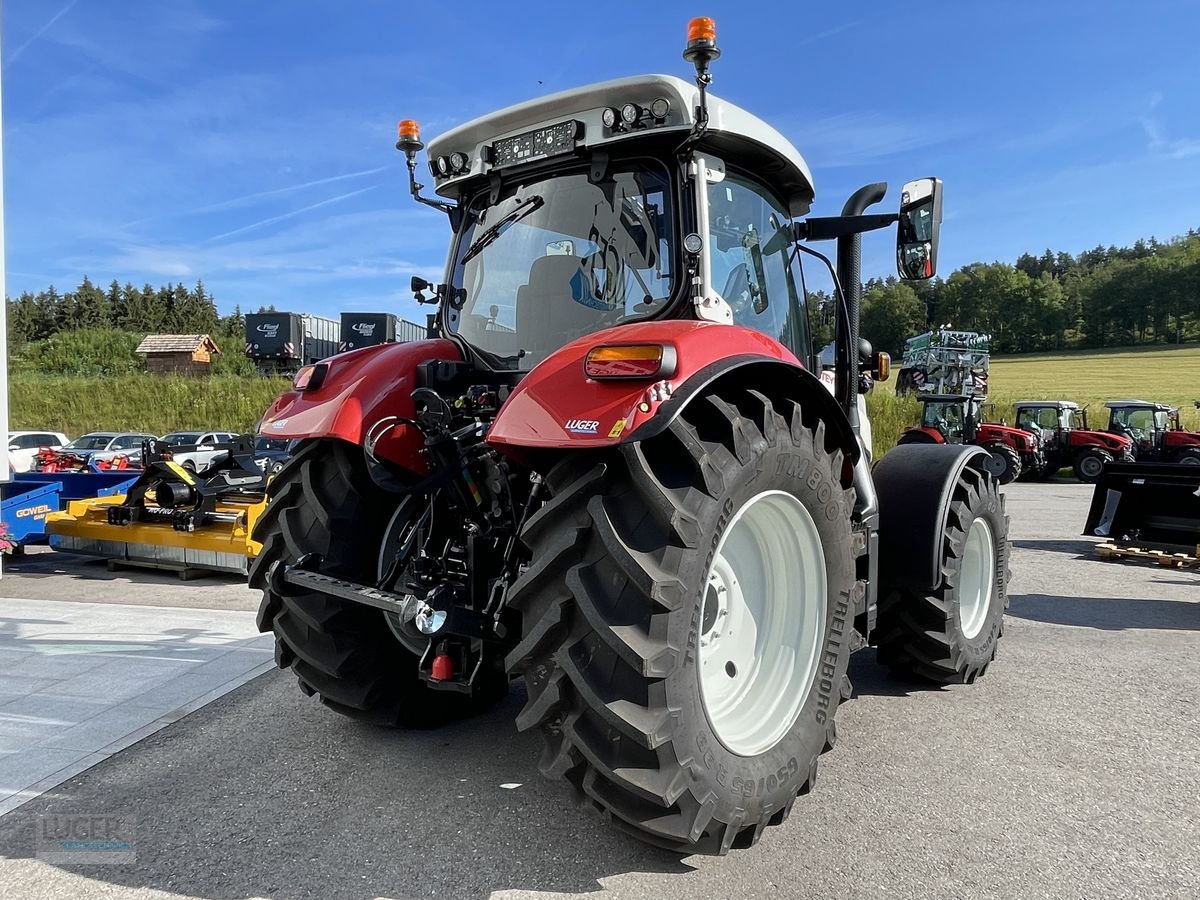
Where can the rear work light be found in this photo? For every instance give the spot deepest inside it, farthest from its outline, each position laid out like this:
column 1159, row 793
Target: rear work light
column 309, row 378
column 630, row 361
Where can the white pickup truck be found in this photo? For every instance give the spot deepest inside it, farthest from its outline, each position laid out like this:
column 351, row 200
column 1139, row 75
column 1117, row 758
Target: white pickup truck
column 205, row 453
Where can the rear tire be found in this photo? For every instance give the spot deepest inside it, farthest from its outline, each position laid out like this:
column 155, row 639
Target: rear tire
column 323, row 502
column 950, row 634
column 622, row 611
column 1007, row 461
column 1089, row 465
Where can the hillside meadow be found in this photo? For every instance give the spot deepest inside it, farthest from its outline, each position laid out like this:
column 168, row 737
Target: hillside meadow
column 76, row 404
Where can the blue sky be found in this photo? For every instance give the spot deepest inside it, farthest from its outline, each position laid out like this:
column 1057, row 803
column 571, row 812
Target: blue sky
column 250, row 144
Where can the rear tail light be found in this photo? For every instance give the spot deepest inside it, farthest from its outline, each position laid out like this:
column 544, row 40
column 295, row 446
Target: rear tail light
column 309, row 378
column 630, row 361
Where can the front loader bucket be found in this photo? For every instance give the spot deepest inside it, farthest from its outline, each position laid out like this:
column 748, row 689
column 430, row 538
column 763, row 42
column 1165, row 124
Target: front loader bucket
column 1148, row 505
column 223, row 546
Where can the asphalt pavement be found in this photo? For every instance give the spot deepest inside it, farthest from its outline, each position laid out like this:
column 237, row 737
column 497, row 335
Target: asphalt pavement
column 1069, row 771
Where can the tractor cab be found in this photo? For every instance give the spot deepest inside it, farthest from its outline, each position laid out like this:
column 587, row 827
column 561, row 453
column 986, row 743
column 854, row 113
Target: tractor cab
column 955, row 418
column 1155, row 429
column 1050, row 419
column 1141, row 420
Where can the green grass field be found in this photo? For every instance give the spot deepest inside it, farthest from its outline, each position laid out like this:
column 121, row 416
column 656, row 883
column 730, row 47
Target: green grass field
column 77, row 404
column 1087, row 377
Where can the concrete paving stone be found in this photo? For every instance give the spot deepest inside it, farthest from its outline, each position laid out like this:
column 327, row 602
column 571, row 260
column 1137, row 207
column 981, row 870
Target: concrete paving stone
column 10, row 656
column 70, row 770
column 17, row 686
column 21, row 769
column 39, row 664
column 120, row 679
column 97, row 732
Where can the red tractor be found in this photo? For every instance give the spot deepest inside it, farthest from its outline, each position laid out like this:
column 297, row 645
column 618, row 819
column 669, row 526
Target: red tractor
column 1155, row 430
column 1067, row 441
column 956, row 419
column 617, row 475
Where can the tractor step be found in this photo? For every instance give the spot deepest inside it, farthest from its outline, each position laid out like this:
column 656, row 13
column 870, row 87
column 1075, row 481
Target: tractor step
column 1141, row 554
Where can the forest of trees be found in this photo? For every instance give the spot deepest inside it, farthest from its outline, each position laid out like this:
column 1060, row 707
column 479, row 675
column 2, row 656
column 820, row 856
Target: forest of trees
column 170, row 309
column 1145, row 294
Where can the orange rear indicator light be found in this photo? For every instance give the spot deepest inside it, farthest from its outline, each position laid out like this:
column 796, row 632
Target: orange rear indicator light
column 702, row 28
column 630, row 361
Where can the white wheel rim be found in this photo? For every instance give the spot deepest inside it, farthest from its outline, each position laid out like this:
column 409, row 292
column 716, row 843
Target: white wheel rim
column 977, row 578
column 762, row 621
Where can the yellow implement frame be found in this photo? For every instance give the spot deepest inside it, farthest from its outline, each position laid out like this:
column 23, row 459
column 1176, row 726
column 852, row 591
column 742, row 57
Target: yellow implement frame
column 83, row 527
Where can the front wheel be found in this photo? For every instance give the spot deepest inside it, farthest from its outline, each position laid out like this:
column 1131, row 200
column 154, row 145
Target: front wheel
column 1089, row 465
column 688, row 617
column 950, row 634
column 1189, row 457
column 1005, row 463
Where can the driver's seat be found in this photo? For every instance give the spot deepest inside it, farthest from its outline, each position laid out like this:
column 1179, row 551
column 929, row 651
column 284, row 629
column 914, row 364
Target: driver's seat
column 552, row 302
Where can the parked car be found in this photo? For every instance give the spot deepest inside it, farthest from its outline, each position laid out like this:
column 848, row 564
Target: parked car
column 205, row 453
column 271, row 453
column 107, row 445
column 24, row 445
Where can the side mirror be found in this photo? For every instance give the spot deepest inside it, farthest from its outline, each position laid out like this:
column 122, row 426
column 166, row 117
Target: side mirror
column 920, row 222
column 560, row 248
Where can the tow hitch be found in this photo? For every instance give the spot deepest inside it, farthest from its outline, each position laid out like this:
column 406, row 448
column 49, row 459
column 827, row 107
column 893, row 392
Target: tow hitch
column 457, row 633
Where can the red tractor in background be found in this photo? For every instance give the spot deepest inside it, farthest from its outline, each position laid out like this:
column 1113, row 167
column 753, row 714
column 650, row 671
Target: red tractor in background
column 617, row 475
column 1067, row 441
column 1155, row 430
column 957, row 419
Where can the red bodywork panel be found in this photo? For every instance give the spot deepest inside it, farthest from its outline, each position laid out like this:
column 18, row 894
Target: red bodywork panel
column 1003, row 434
column 1177, row 440
column 558, row 406
column 1114, row 443
column 362, row 389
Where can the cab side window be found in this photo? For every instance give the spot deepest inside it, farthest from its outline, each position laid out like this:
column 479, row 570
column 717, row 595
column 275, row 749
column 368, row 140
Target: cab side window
column 749, row 246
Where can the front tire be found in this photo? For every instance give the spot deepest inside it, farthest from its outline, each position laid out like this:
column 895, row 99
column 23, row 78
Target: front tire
column 1188, row 457
column 950, row 634
column 1007, row 463
column 633, row 593
column 324, row 502
column 1089, row 465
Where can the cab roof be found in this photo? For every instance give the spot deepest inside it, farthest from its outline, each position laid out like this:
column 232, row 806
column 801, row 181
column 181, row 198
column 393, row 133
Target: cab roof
column 1119, row 404
column 1059, row 404
column 733, row 133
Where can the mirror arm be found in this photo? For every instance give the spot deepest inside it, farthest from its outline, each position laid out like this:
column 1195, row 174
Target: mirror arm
column 415, row 189
column 826, row 228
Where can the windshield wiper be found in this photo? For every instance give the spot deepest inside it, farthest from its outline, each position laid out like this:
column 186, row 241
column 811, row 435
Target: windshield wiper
column 520, row 211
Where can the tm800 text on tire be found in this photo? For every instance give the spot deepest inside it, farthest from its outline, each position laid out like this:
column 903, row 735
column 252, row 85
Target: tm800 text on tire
column 688, row 619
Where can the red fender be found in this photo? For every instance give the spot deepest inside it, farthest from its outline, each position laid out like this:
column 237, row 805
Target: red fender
column 361, row 390
column 914, row 434
column 558, row 406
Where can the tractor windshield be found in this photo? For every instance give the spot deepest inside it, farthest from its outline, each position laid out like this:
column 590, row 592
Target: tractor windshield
column 946, row 417
column 557, row 256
